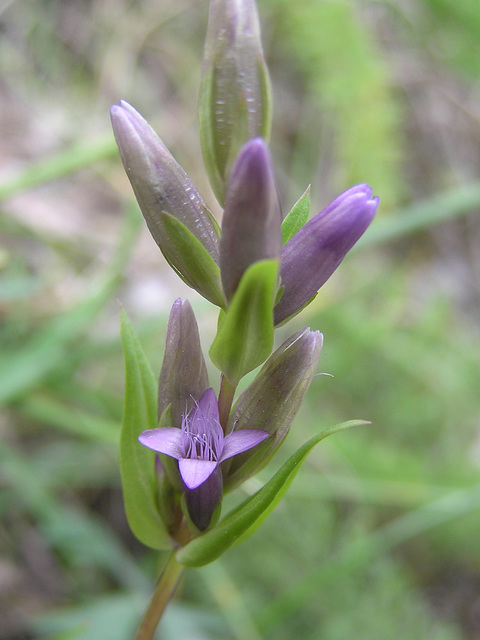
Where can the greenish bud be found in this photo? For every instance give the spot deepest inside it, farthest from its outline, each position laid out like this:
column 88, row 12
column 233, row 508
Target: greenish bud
column 272, row 401
column 235, row 97
column 183, row 376
column 176, row 214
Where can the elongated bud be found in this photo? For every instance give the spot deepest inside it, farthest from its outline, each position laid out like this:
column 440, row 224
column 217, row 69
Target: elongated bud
column 235, row 98
column 174, row 211
column 183, row 376
column 317, row 249
column 251, row 223
column 272, row 401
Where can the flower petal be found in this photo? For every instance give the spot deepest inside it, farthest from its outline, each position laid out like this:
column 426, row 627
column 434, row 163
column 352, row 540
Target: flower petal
column 239, row 441
column 207, row 406
column 167, row 440
column 195, row 472
column 204, row 418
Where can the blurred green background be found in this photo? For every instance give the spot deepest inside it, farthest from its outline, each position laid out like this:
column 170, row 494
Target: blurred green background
column 379, row 536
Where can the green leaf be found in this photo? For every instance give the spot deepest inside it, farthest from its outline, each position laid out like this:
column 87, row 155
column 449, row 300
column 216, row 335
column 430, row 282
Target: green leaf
column 297, row 217
column 245, row 336
column 189, row 258
column 137, row 463
column 246, row 518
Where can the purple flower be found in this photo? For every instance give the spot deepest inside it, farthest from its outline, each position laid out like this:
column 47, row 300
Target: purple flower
column 317, row 249
column 200, row 446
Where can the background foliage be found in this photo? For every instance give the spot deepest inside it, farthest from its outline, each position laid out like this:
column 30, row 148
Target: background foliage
column 380, row 528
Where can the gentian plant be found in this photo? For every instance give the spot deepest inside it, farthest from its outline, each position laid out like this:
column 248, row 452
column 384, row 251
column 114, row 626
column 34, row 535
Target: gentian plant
column 182, row 446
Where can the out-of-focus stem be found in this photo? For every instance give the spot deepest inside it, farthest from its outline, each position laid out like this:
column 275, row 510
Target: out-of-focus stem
column 163, row 593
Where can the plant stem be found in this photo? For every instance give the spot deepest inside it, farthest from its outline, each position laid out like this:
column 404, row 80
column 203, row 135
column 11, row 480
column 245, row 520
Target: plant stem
column 164, row 591
column 225, row 399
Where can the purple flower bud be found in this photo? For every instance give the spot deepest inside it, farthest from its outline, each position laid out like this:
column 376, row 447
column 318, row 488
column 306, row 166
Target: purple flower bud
column 251, row 223
column 200, row 446
column 162, row 187
column 235, row 100
column 183, row 375
column 272, row 401
column 314, row 252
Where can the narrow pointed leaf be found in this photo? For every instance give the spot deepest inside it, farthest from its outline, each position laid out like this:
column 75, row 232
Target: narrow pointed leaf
column 189, row 258
column 247, row 517
column 245, row 337
column 137, row 462
column 297, row 217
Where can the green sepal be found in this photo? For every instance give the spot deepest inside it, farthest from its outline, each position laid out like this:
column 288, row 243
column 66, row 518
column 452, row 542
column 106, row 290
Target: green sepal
column 297, row 217
column 215, row 166
column 137, row 463
column 221, row 142
column 242, row 521
column 168, row 494
column 267, row 99
column 192, row 262
column 245, row 336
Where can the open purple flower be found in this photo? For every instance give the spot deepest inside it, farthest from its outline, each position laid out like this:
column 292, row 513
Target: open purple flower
column 200, row 446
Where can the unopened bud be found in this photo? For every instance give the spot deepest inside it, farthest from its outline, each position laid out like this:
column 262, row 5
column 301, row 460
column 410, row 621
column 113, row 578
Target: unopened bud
column 317, row 249
column 235, row 98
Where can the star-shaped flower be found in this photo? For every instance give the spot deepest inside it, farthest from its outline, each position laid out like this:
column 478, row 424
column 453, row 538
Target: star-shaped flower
column 200, row 445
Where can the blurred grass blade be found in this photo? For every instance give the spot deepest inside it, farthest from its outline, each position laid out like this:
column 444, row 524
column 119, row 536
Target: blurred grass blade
column 79, row 537
column 421, row 216
column 60, row 165
column 361, row 551
column 69, row 418
column 26, row 365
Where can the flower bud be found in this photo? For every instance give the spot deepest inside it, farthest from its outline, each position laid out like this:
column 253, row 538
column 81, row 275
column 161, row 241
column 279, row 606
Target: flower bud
column 251, row 223
column 183, row 376
column 235, row 98
column 272, row 401
column 317, row 249
column 162, row 187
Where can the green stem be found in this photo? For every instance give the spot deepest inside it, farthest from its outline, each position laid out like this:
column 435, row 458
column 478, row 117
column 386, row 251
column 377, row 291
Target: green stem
column 225, row 400
column 164, row 591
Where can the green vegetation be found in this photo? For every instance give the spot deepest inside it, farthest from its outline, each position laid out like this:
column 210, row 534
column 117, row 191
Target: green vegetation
column 379, row 530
